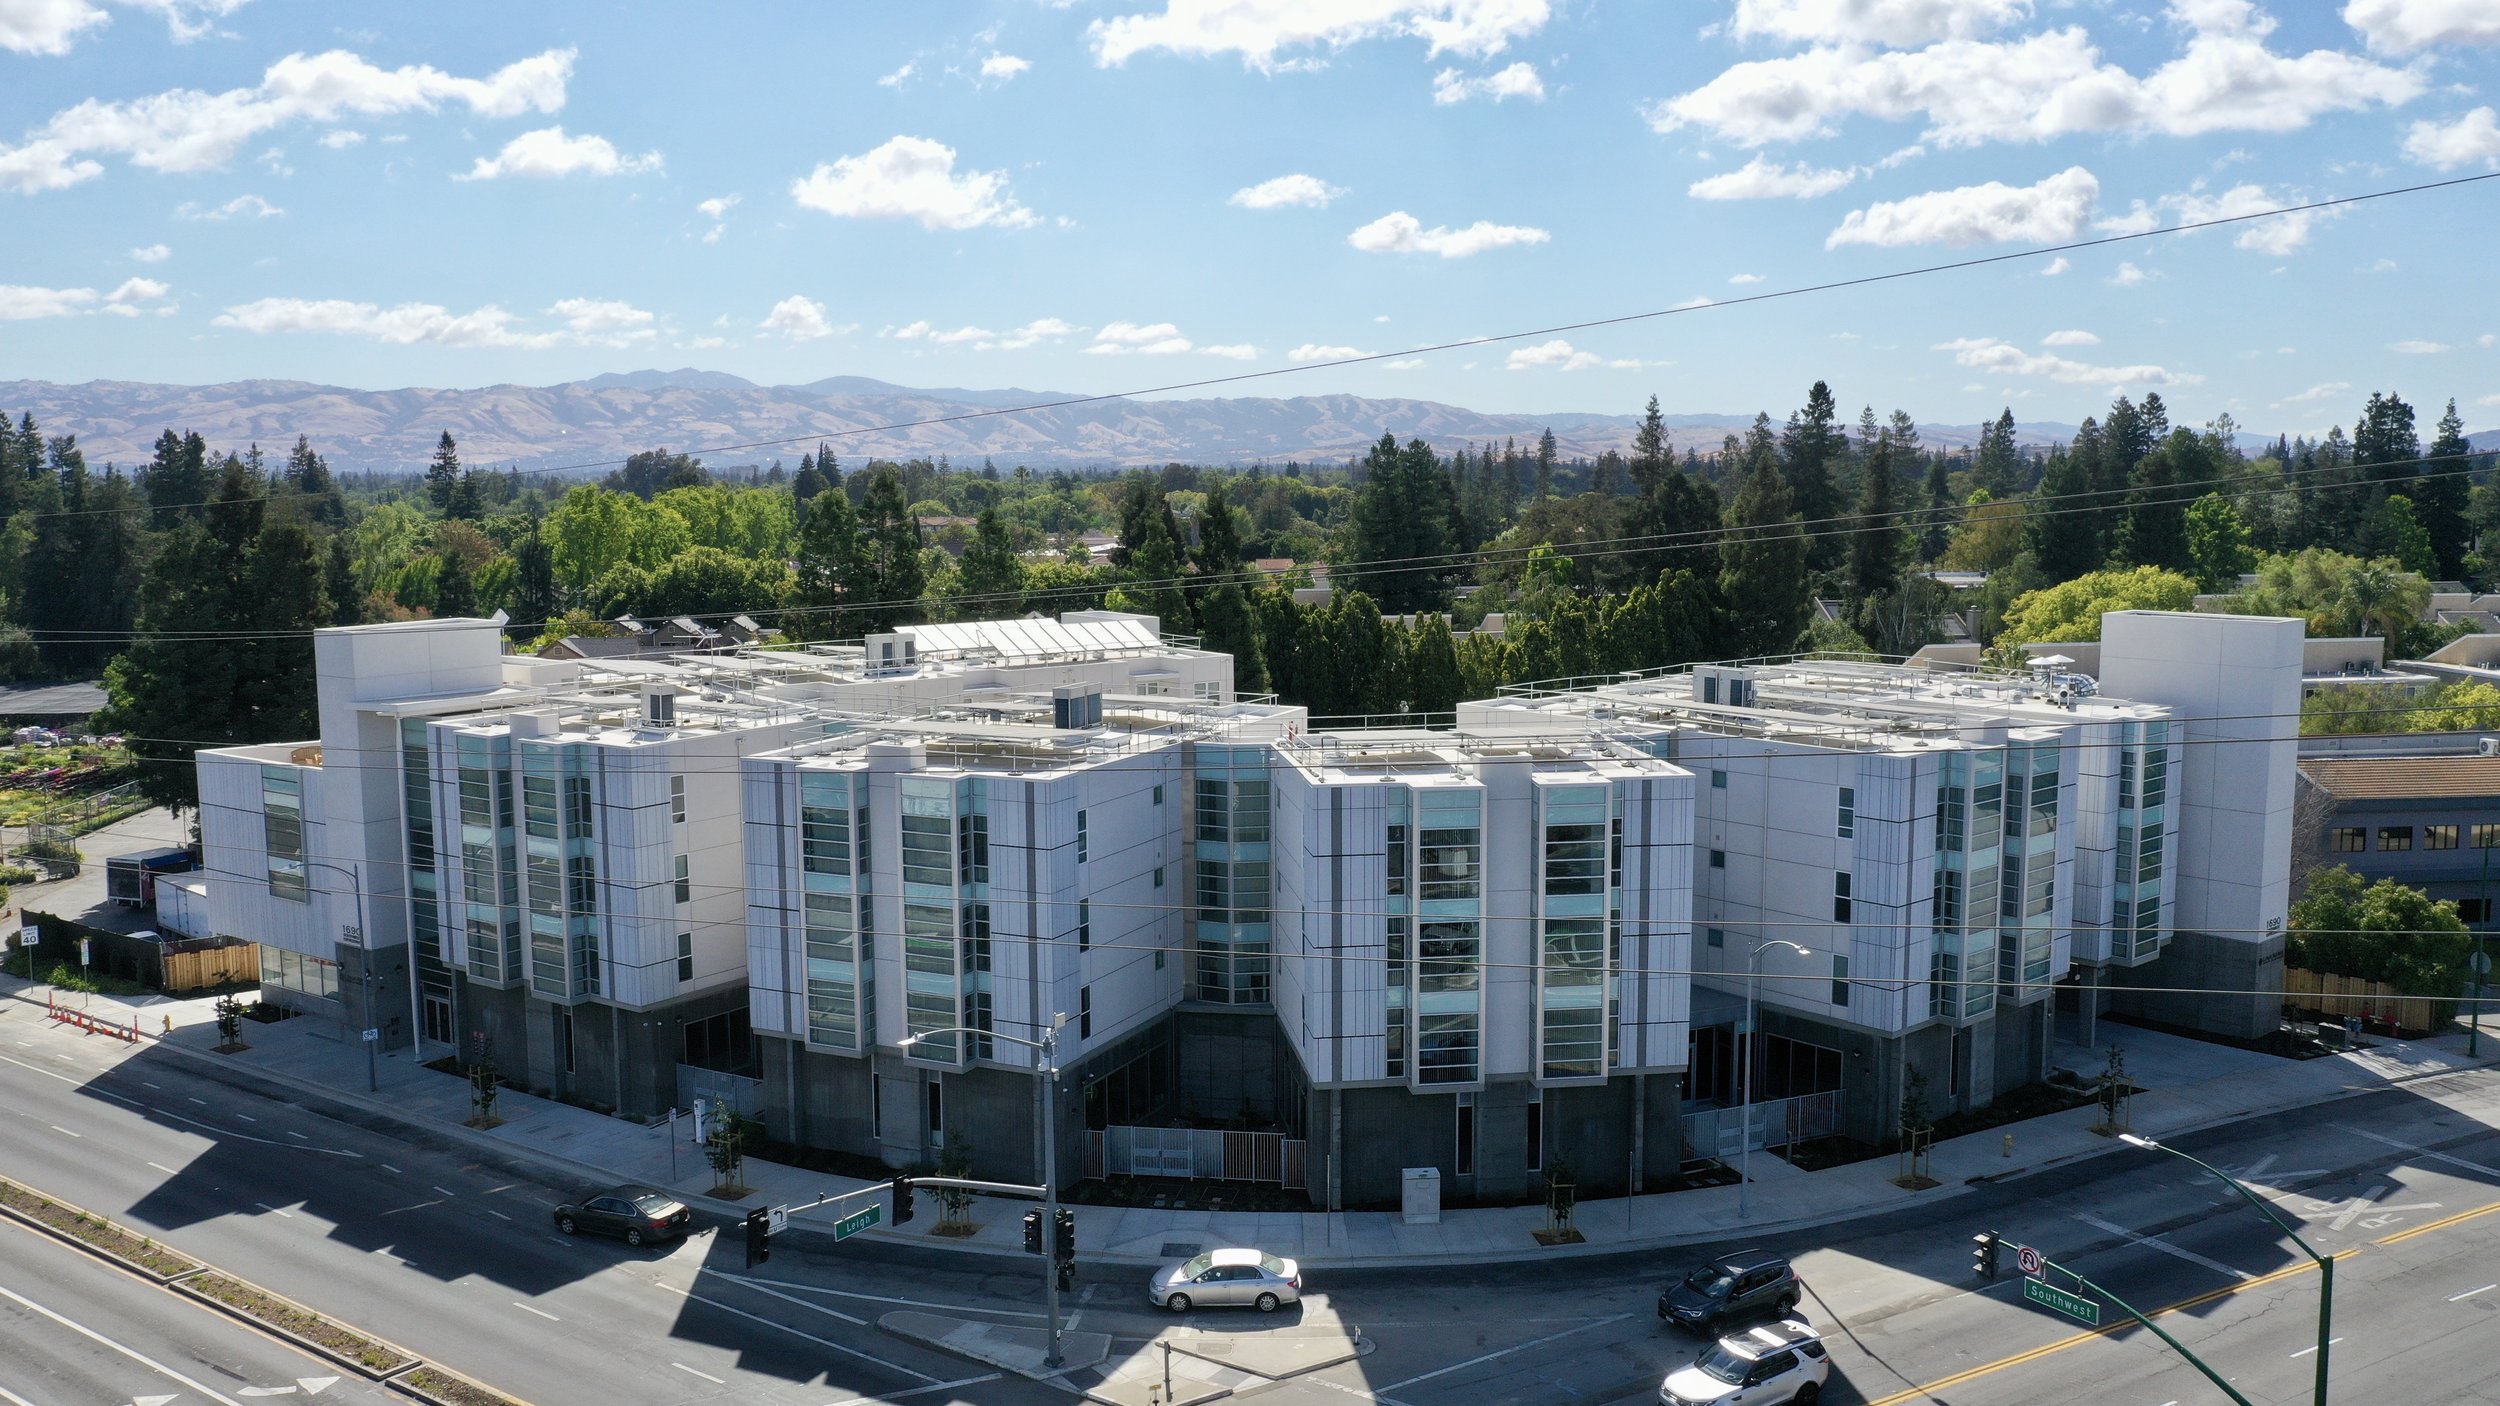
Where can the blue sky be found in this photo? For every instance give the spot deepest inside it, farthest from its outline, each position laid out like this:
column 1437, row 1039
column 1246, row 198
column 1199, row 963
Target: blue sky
column 1102, row 195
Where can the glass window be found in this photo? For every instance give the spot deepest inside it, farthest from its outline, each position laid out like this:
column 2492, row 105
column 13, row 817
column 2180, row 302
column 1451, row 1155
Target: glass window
column 1450, row 863
column 1464, row 1160
column 1718, row 779
column 677, row 800
column 1085, row 1012
column 2395, row 837
column 1848, row 823
column 685, row 881
column 2439, row 837
column 2352, row 839
column 1718, row 859
column 1084, row 923
column 2474, row 910
column 825, row 825
column 1080, row 837
column 685, row 956
column 1840, row 980
column 2486, row 836
column 1716, row 936
column 1840, row 897
column 1158, row 794
column 928, row 833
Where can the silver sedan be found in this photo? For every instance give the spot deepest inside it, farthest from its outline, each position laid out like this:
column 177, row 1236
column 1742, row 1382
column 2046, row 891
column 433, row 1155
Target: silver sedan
column 1227, row 1277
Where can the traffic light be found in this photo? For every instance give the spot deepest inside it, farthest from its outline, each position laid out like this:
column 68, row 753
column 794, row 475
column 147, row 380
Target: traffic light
column 759, row 1236
column 1032, row 1232
column 1983, row 1255
column 902, row 1200
column 1063, row 1238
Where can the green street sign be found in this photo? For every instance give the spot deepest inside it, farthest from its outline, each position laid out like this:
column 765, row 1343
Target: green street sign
column 2072, row 1305
column 858, row 1221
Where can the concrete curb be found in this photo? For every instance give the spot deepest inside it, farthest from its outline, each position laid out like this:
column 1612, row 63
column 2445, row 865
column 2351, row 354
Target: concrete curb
column 1017, row 1350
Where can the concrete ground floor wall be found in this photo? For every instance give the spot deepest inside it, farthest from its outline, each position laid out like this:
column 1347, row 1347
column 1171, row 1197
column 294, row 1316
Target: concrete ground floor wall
column 2185, row 987
column 1495, row 1145
column 1961, row 1068
column 603, row 1056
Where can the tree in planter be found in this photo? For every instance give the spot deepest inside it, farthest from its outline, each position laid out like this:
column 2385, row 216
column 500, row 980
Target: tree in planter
column 954, row 1203
column 483, row 1078
column 229, row 1023
column 1562, row 1197
column 2116, row 1094
column 1917, row 1132
column 726, row 1149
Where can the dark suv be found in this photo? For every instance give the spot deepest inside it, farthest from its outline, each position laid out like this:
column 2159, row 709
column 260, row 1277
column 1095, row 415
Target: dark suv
column 1729, row 1288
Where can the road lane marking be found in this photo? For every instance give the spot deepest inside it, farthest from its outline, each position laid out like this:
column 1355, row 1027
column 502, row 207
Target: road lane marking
column 421, row 1205
column 274, row 1210
column 447, row 1191
column 793, row 1332
column 2487, row 1288
column 497, row 1214
column 1505, row 1352
column 246, row 1117
column 200, row 1101
column 2420, row 1151
column 146, row 1085
column 165, row 1169
column 2313, row 1347
column 1927, row 1390
column 130, row 1352
column 63, row 1131
column 2403, row 1235
column 394, row 1171
column 682, row 1367
column 950, row 1307
column 2155, row 1242
column 940, row 1386
column 1083, row 1302
column 294, row 1134
column 758, row 1286
column 525, row 1308
column 12, row 1397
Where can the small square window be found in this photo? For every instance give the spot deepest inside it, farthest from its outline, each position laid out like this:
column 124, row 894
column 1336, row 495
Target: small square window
column 1717, row 936
column 1158, row 959
column 2395, row 837
column 685, row 956
column 685, row 882
column 1718, row 859
column 1718, row 779
column 1158, row 876
column 1158, row 795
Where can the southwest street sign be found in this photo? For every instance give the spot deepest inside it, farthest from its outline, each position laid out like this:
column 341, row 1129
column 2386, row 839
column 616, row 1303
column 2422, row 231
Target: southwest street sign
column 858, row 1221
column 2072, row 1305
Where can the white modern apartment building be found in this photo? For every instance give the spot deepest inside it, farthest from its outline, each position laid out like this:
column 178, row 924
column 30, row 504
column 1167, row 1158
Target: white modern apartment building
column 845, row 885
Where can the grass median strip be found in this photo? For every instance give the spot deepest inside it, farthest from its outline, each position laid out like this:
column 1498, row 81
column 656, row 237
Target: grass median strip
column 435, row 1384
column 294, row 1319
column 95, row 1232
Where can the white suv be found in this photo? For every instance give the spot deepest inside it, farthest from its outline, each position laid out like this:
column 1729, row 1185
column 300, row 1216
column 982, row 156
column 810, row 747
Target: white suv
column 1777, row 1362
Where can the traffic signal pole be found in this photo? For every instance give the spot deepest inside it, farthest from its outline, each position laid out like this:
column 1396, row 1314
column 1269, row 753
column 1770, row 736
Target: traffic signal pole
column 1984, row 1261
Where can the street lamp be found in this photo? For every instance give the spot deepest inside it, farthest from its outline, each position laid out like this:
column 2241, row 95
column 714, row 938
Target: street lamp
column 1046, row 1091
column 2326, row 1263
column 1744, row 1072
column 373, row 1076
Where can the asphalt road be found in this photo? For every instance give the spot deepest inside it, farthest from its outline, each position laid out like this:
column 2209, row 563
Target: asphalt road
column 80, row 1333
column 413, row 1236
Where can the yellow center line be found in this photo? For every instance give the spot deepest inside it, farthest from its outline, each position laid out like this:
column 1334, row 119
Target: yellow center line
column 1928, row 1390
column 2438, row 1224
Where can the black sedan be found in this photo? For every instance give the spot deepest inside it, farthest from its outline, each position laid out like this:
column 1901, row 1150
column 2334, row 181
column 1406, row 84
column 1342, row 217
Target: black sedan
column 638, row 1213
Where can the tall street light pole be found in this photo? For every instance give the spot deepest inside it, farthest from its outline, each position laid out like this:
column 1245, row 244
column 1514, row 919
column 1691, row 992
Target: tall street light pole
column 1046, row 1090
column 364, row 945
column 2326, row 1263
column 1744, row 1072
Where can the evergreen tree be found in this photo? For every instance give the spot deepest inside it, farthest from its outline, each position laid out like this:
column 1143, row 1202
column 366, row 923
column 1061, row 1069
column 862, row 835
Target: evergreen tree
column 176, row 479
column 2385, row 449
column 1545, row 456
column 1400, row 524
column 1935, row 532
column 2155, row 532
column 2064, row 525
column 307, row 475
column 830, row 561
column 1875, row 542
column 1652, row 455
column 455, row 589
column 442, row 477
column 892, row 578
column 338, row 582
column 1810, row 451
column 1430, row 658
column 990, row 576
column 1219, row 554
column 536, row 598
column 1510, row 482
column 1997, row 468
column 1227, row 624
column 2440, row 495
column 1762, row 572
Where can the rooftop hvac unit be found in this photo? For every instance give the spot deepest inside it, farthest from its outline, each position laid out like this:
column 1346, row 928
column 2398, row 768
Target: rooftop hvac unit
column 2487, row 746
column 1721, row 684
column 1075, row 706
column 892, row 654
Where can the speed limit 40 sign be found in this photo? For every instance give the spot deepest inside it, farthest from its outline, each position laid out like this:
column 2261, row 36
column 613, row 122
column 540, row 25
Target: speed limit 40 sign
column 2029, row 1259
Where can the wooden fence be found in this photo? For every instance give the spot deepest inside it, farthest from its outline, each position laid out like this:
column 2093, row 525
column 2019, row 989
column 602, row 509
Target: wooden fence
column 2380, row 1005
column 210, row 966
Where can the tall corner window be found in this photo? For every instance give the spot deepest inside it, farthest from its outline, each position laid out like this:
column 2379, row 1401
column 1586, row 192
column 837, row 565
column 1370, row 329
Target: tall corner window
column 1847, row 825
column 1085, row 1012
column 677, row 800
column 685, row 956
column 685, row 881
column 1080, row 837
column 1840, row 980
column 1084, row 923
column 1840, row 896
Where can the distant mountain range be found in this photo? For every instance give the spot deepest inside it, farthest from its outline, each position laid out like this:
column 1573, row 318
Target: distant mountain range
column 731, row 421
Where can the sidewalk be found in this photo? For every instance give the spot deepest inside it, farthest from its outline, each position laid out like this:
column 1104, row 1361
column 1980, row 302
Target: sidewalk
column 2189, row 1085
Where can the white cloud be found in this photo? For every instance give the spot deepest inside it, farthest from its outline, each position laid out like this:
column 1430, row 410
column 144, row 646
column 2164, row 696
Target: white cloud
column 2128, row 275
column 1765, row 179
column 799, row 318
column 1296, row 189
column 549, row 152
column 2035, row 89
column 20, row 303
column 1318, row 351
column 895, row 79
column 1040, row 329
column 2056, row 266
column 2415, row 346
column 241, row 207
column 2406, row 26
column 1401, row 233
column 2489, row 400
column 1898, row 24
column 2471, row 138
column 2004, row 358
column 1003, row 66
column 1259, row 30
column 2277, row 235
column 185, row 130
column 341, row 138
column 52, row 26
column 2487, row 340
column 605, row 322
column 706, row 343
column 1147, row 339
column 1520, row 80
column 2070, row 337
column 1407, row 363
column 717, row 211
column 911, row 178
column 407, row 324
column 983, row 339
column 152, row 253
column 2328, row 391
column 1556, row 353
column 1741, row 278
column 1232, row 351
column 2049, row 212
